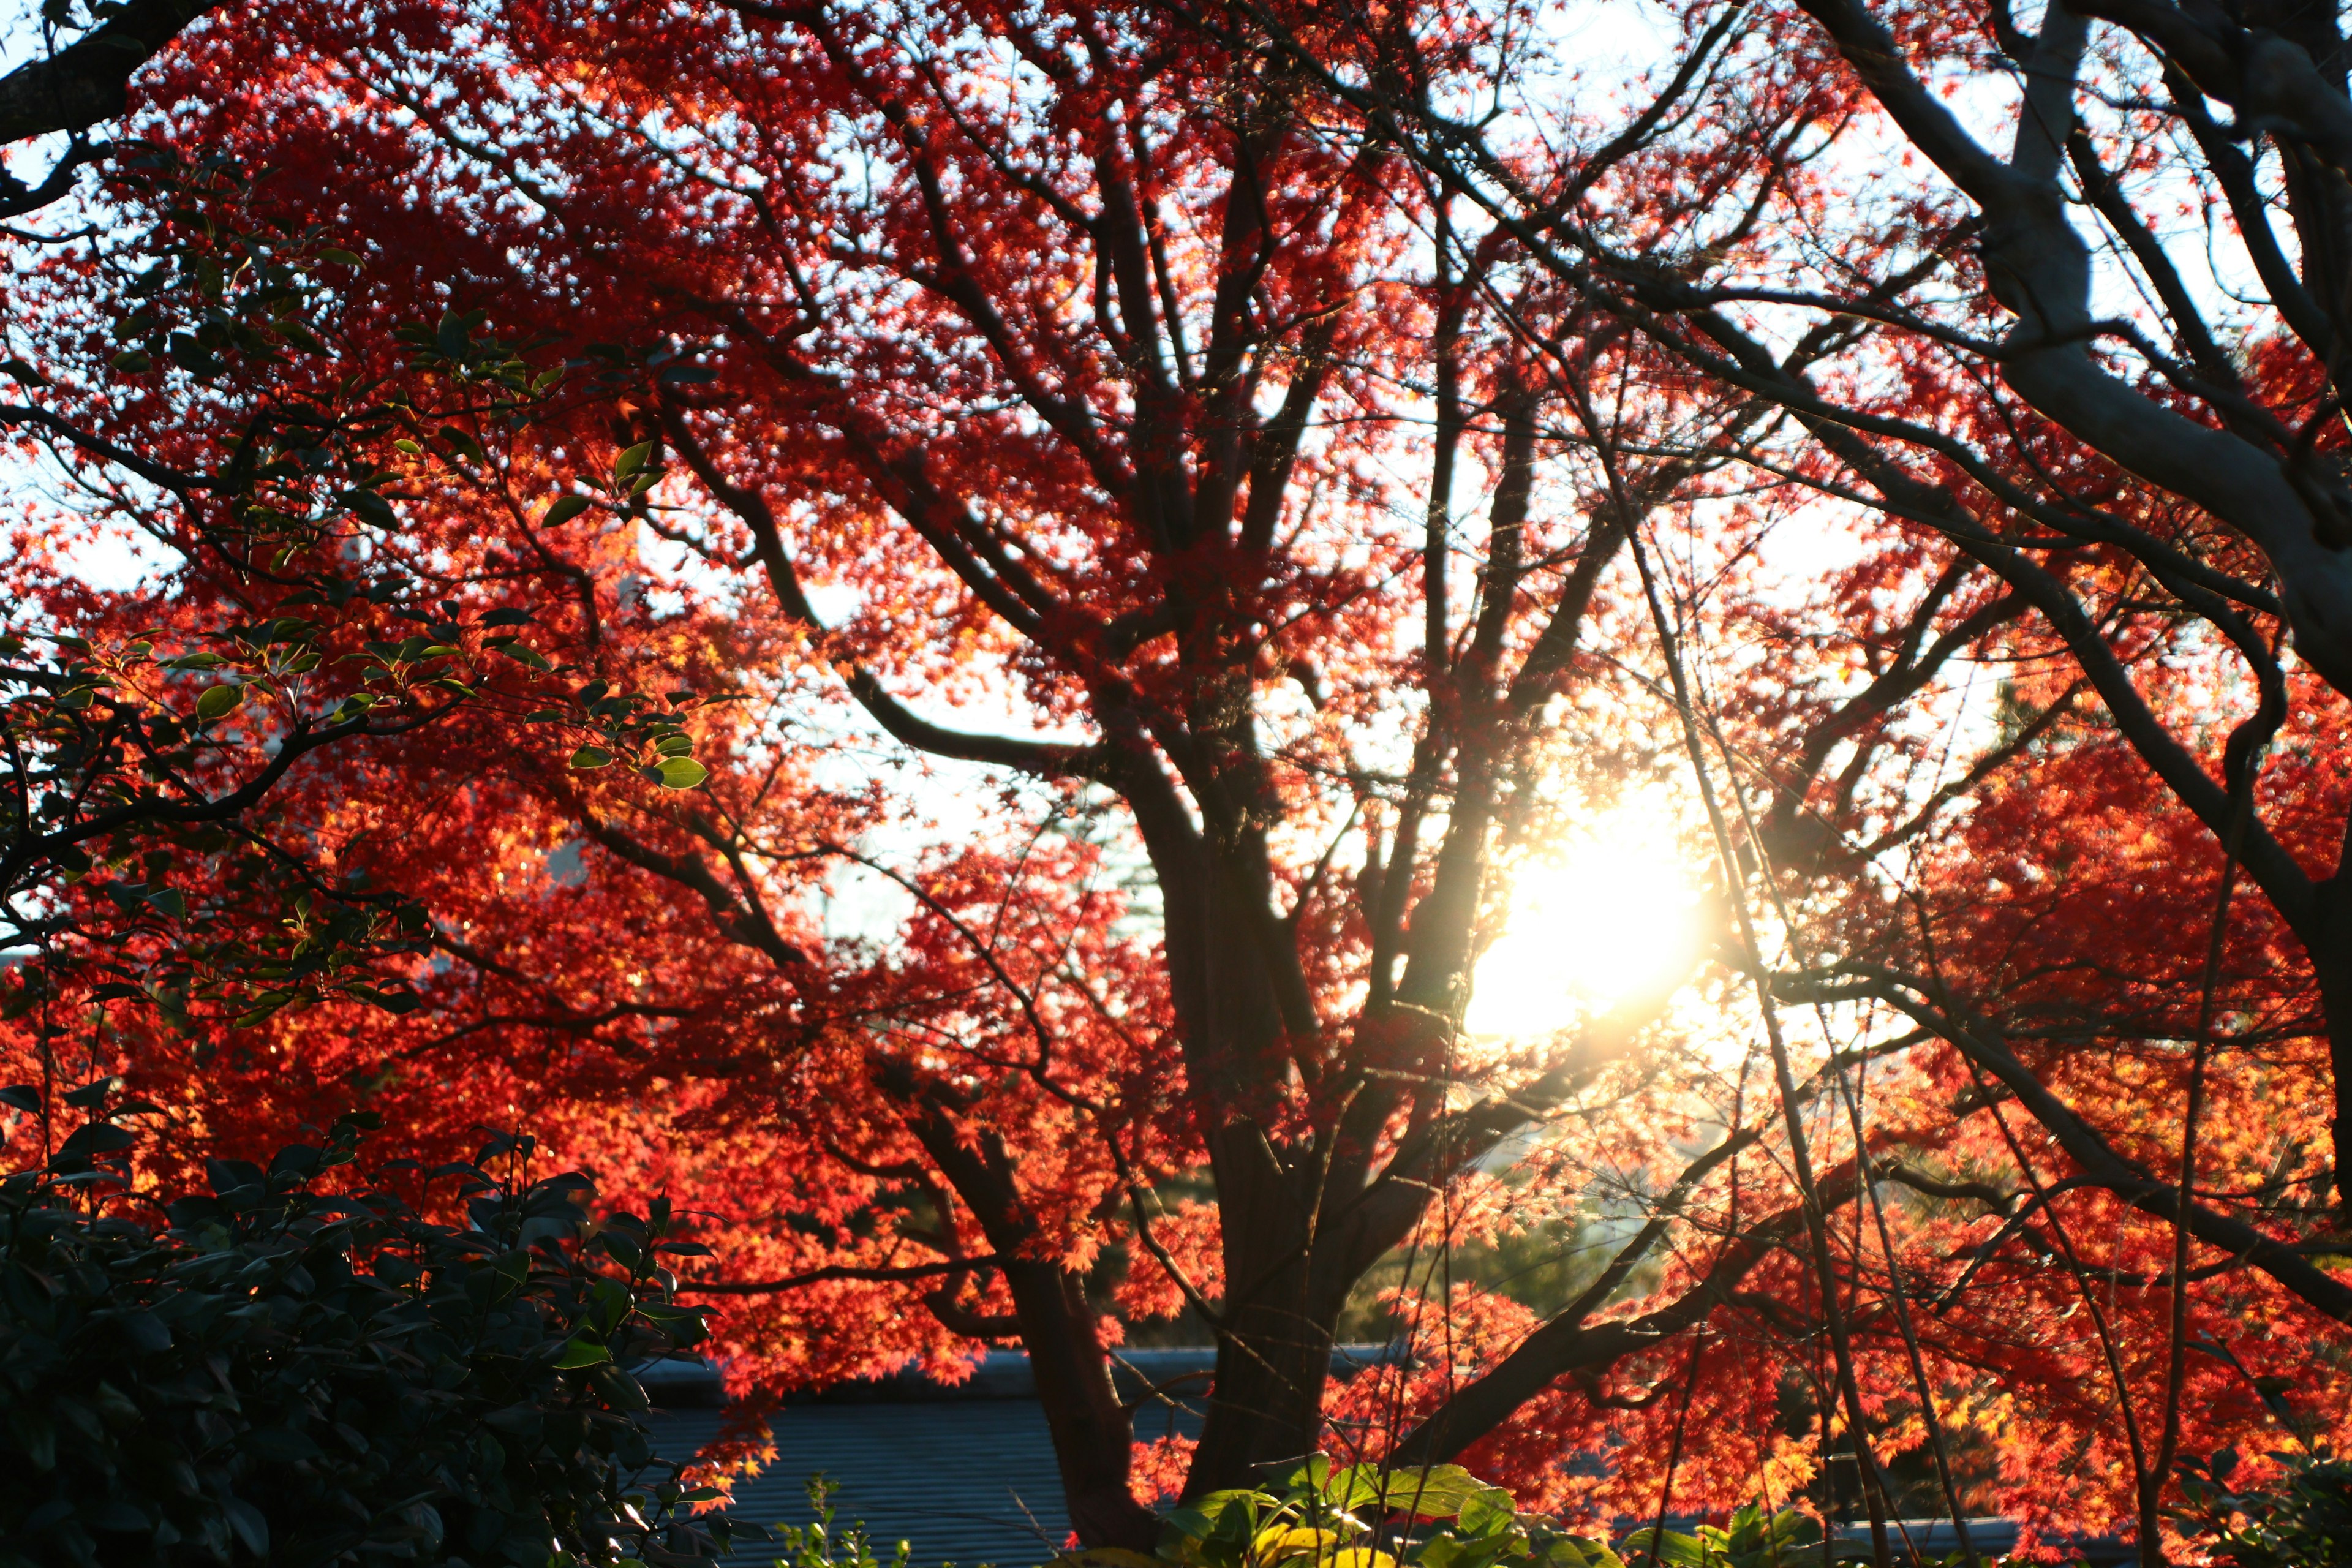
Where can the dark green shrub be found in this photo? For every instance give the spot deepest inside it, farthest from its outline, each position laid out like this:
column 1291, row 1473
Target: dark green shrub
column 279, row 1373
column 2304, row 1520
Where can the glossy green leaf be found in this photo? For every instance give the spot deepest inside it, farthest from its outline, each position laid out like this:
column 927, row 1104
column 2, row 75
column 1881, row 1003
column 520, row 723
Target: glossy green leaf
column 219, row 702
column 129, row 1357
column 514, row 649
column 564, row 509
column 371, row 507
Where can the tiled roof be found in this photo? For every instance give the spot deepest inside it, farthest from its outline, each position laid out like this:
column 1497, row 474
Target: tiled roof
column 965, row 1472
column 969, row 1482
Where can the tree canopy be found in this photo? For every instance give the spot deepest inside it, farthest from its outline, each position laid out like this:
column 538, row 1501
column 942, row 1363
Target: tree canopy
column 942, row 633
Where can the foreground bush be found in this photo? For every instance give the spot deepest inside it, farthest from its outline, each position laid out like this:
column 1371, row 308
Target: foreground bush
column 1363, row 1516
column 2304, row 1519
column 1353, row 1516
column 278, row 1372
column 1323, row 1516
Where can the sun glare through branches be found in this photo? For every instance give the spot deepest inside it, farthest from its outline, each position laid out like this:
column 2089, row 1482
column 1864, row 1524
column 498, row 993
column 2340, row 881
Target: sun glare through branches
column 1608, row 912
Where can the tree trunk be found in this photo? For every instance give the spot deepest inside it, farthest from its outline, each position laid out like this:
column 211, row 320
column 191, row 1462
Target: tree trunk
column 1266, row 1409
column 2330, row 949
column 1094, row 1434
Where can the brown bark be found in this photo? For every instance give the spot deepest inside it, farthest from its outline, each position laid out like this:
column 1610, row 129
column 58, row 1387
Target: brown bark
column 89, row 81
column 2327, row 941
column 1093, row 1433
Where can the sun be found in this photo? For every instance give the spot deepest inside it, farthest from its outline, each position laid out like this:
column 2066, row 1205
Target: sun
column 1610, row 912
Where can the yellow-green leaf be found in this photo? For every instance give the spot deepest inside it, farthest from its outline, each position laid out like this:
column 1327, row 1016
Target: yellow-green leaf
column 1283, row 1545
column 681, row 773
column 219, row 702
column 590, row 757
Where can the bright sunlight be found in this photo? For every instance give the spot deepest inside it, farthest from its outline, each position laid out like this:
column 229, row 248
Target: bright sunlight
column 1612, row 910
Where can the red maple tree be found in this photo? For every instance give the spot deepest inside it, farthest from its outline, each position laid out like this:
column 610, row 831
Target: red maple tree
column 1264, row 530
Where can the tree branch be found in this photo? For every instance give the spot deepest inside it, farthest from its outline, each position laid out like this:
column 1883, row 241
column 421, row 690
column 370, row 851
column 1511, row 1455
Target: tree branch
column 89, row 81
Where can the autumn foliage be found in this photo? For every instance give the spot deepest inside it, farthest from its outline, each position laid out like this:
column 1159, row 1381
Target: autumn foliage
column 940, row 632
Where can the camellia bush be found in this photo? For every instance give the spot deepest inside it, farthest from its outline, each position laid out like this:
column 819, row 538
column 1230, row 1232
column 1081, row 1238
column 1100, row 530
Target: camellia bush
column 298, row 1369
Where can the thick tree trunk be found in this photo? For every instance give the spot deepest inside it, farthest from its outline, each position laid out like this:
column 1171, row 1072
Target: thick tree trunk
column 1266, row 1409
column 1094, row 1434
column 2329, row 945
column 1274, row 1340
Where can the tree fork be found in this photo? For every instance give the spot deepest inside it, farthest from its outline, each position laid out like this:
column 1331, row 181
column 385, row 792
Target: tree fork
column 89, row 81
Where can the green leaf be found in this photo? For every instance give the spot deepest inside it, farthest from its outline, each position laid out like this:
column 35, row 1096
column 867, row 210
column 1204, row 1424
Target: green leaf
column 219, row 702
column 1672, row 1547
column 463, row 443
column 581, row 1353
column 564, row 509
column 134, row 362
column 35, row 1434
column 514, row 649
column 282, row 1443
column 186, row 350
column 681, row 773
column 590, row 757
column 370, row 506
column 1439, row 1492
column 251, row 1527
column 630, row 461
column 339, row 258
column 1576, row 1551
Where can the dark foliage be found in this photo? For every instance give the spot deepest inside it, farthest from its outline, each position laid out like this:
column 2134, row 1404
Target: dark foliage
column 2304, row 1518
column 303, row 1370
